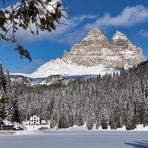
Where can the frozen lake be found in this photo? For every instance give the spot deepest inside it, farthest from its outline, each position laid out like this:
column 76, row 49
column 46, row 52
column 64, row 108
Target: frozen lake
column 77, row 139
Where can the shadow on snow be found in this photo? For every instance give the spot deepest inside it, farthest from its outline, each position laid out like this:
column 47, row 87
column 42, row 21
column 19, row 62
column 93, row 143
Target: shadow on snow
column 137, row 144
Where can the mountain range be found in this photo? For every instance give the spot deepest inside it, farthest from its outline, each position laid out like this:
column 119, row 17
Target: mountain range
column 94, row 55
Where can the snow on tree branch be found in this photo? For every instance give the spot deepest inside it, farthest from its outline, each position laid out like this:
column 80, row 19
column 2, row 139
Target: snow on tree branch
column 35, row 15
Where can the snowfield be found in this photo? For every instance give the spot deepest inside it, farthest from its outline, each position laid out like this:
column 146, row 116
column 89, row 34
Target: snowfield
column 59, row 67
column 77, row 139
column 34, row 130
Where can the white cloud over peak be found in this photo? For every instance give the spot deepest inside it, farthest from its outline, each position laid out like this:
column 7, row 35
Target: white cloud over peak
column 65, row 26
column 76, row 27
column 129, row 16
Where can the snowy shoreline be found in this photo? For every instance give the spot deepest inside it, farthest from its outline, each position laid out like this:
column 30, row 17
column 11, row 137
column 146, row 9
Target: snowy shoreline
column 35, row 130
column 7, row 133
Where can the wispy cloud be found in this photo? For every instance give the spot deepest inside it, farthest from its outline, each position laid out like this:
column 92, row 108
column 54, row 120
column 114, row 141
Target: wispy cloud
column 66, row 26
column 84, row 17
column 76, row 31
column 129, row 16
column 72, row 37
column 76, row 27
column 143, row 33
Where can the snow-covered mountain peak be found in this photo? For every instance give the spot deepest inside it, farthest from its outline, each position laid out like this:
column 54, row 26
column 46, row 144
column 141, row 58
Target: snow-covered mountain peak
column 94, row 33
column 119, row 36
column 94, row 55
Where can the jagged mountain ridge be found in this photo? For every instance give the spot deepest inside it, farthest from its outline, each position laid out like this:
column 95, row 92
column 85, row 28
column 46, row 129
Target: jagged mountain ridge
column 95, row 49
column 94, row 55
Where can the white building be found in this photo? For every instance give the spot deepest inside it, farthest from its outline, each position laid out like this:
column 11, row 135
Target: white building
column 44, row 122
column 34, row 120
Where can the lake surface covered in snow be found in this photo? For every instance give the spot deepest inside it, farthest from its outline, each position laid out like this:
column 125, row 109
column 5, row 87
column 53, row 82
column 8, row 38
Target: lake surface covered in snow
column 77, row 139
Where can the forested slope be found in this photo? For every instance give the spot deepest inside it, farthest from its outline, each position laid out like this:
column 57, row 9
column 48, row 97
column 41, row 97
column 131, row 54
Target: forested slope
column 113, row 100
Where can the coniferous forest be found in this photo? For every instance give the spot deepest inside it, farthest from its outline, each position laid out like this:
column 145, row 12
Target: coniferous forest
column 8, row 98
column 110, row 100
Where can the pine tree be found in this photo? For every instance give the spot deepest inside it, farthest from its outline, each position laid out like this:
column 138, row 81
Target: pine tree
column 107, row 101
column 3, row 102
column 15, row 116
column 2, row 78
column 9, row 105
column 3, row 99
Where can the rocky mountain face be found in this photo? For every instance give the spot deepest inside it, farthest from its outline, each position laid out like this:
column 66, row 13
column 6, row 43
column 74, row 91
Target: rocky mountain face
column 95, row 49
column 94, row 55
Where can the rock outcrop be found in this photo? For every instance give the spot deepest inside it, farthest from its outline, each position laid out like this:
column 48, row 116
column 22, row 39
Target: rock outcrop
column 95, row 49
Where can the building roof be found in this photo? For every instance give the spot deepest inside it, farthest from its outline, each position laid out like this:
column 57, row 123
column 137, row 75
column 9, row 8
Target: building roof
column 1, row 122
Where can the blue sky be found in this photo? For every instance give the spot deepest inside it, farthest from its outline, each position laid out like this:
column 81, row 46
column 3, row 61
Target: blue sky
column 127, row 16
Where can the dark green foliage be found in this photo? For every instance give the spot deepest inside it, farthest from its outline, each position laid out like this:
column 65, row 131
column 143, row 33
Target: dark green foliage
column 16, row 116
column 53, row 120
column 2, row 20
column 62, row 122
column 3, row 101
column 8, row 98
column 23, row 52
column 131, row 124
column 15, row 113
column 90, row 124
column 78, row 120
column 28, row 15
column 2, row 114
column 2, row 78
column 104, row 124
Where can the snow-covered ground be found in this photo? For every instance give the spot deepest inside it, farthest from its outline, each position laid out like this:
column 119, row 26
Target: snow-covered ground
column 60, row 67
column 36, row 130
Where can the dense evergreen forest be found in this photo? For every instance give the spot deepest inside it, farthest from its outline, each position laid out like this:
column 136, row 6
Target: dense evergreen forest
column 8, row 98
column 110, row 100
